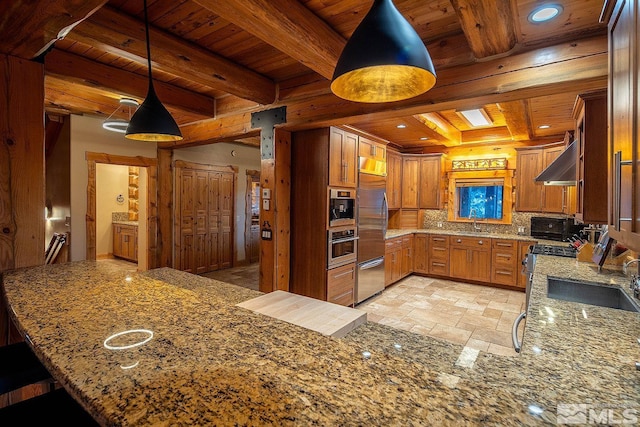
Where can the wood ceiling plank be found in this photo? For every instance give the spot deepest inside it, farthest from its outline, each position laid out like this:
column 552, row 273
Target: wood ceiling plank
column 488, row 24
column 493, row 134
column 288, row 26
column 93, row 74
column 577, row 67
column 34, row 28
column 442, row 126
column 114, row 32
column 518, row 119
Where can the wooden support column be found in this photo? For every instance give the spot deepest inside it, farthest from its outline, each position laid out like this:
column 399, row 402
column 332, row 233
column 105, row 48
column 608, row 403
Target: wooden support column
column 165, row 207
column 275, row 175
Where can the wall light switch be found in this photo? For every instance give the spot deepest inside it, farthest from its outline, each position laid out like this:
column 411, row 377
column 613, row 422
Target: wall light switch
column 265, row 204
column 266, row 193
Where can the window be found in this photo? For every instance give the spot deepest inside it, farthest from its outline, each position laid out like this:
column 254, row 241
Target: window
column 480, row 195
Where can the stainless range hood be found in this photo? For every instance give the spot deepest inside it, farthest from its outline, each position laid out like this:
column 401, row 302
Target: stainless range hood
column 562, row 171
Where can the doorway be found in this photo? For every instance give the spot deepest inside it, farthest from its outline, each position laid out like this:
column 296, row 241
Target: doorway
column 252, row 215
column 147, row 226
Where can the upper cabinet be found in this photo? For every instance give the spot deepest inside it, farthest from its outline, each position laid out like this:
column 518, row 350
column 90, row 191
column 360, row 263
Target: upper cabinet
column 624, row 115
column 532, row 196
column 421, row 180
column 394, row 180
column 343, row 156
column 369, row 149
column 590, row 112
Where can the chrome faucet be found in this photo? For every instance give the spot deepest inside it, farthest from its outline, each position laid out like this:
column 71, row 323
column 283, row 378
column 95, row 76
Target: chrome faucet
column 635, row 279
column 473, row 214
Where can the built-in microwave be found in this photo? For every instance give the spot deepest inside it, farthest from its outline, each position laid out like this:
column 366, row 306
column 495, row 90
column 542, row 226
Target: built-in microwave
column 342, row 207
column 343, row 246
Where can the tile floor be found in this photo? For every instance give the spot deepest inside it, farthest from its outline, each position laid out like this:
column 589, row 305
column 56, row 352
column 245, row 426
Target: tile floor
column 123, row 264
column 476, row 316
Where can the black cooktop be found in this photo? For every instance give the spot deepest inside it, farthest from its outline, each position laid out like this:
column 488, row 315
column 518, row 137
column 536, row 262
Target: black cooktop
column 564, row 251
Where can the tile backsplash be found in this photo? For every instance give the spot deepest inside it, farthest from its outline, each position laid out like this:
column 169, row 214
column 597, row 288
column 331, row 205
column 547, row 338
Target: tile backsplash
column 119, row 216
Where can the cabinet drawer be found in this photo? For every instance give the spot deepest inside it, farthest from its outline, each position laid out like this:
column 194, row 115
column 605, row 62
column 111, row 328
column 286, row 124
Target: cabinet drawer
column 504, row 258
column 504, row 275
column 340, row 284
column 439, row 267
column 504, row 244
column 391, row 244
column 476, row 243
column 439, row 241
column 407, row 241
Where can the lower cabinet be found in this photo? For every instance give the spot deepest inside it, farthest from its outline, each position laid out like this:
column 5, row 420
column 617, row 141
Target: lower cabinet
column 407, row 256
column 523, row 249
column 125, row 241
column 504, row 262
column 421, row 253
column 470, row 259
column 340, row 284
column 439, row 255
column 392, row 261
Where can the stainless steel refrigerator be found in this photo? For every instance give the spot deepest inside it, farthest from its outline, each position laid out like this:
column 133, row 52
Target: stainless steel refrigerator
column 372, row 227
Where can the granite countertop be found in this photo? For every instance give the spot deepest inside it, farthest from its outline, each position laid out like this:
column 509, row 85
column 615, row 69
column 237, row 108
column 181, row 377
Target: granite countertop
column 405, row 231
column 125, row 222
column 210, row 362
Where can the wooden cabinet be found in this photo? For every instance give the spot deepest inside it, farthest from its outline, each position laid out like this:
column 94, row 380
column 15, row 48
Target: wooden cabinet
column 439, row 255
column 407, row 256
column 369, row 149
column 340, row 284
column 532, row 196
column 623, row 19
column 590, row 112
column 470, row 258
column 505, row 262
column 394, row 180
column 523, row 249
column 430, row 179
column 421, row 253
column 343, row 167
column 421, row 178
column 125, row 241
column 392, row 260
column 410, row 182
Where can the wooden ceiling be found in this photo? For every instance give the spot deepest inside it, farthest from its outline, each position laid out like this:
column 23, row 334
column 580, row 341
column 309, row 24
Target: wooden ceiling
column 215, row 62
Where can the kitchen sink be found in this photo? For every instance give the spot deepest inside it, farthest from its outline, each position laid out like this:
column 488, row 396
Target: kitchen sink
column 590, row 293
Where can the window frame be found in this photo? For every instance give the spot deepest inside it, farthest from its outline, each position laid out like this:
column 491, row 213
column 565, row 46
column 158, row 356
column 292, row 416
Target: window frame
column 469, row 176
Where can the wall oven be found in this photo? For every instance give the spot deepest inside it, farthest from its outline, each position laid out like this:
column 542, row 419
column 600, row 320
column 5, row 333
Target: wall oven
column 342, row 207
column 343, row 246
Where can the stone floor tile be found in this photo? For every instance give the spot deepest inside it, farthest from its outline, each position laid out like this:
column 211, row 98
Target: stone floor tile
column 449, row 333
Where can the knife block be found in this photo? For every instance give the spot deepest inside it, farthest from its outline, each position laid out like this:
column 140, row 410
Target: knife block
column 585, row 254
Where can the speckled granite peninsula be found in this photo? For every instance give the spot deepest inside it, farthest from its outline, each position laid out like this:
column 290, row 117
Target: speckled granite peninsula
column 212, row 363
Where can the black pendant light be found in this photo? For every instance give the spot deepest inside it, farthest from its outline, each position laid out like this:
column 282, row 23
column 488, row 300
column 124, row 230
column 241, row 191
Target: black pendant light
column 152, row 121
column 384, row 60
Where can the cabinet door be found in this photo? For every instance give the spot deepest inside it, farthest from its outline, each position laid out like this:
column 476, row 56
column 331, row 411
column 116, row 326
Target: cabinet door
column 342, row 158
column 430, row 178
column 117, row 241
column 459, row 262
column 528, row 192
column 340, row 284
column 394, row 180
column 407, row 256
column 553, row 195
column 420, row 258
column 480, row 265
column 410, row 171
column 523, row 249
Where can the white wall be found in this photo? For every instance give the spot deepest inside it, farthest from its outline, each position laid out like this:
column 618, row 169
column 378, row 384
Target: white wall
column 87, row 135
column 220, row 154
column 111, row 181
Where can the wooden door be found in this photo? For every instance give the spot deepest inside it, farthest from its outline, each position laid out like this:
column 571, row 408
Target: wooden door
column 430, row 183
column 459, row 262
column 226, row 220
column 186, row 181
column 200, row 207
column 528, row 192
column 410, row 182
column 420, row 259
column 480, row 265
column 214, row 221
column 407, row 256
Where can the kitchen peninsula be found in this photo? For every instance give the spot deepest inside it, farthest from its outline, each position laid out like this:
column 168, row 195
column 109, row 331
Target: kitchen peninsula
column 208, row 362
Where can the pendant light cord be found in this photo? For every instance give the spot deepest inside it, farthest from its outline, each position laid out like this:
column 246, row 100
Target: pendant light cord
column 146, row 29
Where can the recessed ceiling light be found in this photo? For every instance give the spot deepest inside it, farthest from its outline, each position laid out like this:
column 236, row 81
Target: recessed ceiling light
column 545, row 13
column 401, row 126
column 476, row 118
column 424, row 138
column 544, row 126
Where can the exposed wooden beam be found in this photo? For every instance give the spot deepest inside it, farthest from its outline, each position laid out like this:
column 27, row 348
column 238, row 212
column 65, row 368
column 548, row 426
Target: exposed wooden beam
column 516, row 115
column 29, row 28
column 227, row 129
column 85, row 72
column 489, row 25
column 494, row 134
column 576, row 66
column 442, row 127
column 286, row 25
column 114, row 32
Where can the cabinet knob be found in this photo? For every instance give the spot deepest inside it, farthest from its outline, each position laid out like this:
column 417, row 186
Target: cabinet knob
column 480, row 242
column 459, row 240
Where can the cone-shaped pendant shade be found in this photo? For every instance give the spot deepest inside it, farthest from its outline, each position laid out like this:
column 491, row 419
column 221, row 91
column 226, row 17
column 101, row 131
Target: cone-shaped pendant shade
column 152, row 121
column 385, row 60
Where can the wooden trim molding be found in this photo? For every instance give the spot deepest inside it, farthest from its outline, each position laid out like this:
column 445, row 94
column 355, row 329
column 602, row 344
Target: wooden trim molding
column 252, row 176
column 507, row 194
column 200, row 166
column 152, row 200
